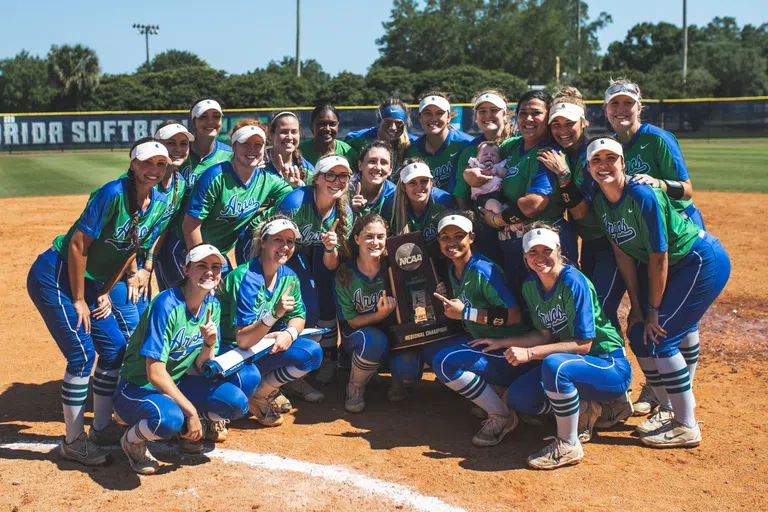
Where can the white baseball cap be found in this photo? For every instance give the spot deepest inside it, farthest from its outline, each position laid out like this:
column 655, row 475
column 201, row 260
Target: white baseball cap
column 493, row 99
column 147, row 150
column 459, row 221
column 276, row 226
column 244, row 133
column 204, row 106
column 540, row 236
column 437, row 101
column 415, row 170
column 327, row 163
column 622, row 89
column 171, row 130
column 604, row 144
column 567, row 110
column 202, row 251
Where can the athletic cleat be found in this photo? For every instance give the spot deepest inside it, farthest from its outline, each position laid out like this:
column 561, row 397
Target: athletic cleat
column 189, row 446
column 398, row 391
column 647, row 401
column 655, row 422
column 216, row 431
column 141, row 461
column 355, row 401
column 615, row 411
column 326, row 372
column 264, row 412
column 301, row 388
column 282, row 403
column 495, row 428
column 109, row 435
column 589, row 414
column 84, row 451
column 556, row 454
column 673, row 435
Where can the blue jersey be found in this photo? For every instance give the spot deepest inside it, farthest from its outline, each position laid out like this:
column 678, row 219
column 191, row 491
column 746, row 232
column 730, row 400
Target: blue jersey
column 443, row 162
column 308, row 168
column 300, row 206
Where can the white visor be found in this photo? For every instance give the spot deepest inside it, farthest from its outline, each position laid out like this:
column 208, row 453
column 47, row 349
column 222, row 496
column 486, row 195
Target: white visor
column 437, row 101
column 415, row 170
column 604, row 144
column 493, row 99
column 278, row 225
column 171, row 130
column 539, row 236
column 244, row 133
column 204, row 106
column 202, row 251
column 149, row 149
column 567, row 110
column 329, row 162
column 459, row 221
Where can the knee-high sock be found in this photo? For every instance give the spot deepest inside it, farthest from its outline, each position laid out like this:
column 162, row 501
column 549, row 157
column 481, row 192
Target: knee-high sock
column 674, row 375
column 330, row 340
column 362, row 370
column 566, row 407
column 473, row 386
column 652, row 377
column 689, row 347
column 104, row 384
column 141, row 432
column 272, row 381
column 74, row 391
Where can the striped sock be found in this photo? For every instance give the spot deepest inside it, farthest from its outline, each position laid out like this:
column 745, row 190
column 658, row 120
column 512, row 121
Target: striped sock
column 362, row 370
column 104, row 384
column 652, row 377
column 74, row 391
column 140, row 432
column 272, row 381
column 566, row 407
column 472, row 386
column 689, row 347
column 677, row 381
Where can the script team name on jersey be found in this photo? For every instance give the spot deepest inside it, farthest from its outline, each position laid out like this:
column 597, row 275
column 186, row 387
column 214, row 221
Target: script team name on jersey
column 636, row 165
column 554, row 319
column 122, row 241
column 619, row 231
column 183, row 345
column 308, row 237
column 236, row 210
column 442, row 174
column 365, row 303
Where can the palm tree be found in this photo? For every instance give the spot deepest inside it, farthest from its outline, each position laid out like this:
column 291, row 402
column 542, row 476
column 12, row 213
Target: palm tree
column 75, row 71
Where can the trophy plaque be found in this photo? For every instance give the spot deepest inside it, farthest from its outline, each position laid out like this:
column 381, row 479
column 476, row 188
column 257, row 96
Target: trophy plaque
column 420, row 316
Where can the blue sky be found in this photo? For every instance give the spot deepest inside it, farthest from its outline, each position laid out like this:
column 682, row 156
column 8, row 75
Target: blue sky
column 241, row 36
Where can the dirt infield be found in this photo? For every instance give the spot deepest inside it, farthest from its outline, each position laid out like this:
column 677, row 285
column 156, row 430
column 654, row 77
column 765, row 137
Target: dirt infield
column 422, row 446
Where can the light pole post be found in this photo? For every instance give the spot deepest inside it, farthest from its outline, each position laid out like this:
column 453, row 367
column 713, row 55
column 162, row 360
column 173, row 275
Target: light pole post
column 298, row 38
column 146, row 31
column 685, row 40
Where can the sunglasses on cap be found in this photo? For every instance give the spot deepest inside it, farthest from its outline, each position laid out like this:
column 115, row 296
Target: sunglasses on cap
column 616, row 89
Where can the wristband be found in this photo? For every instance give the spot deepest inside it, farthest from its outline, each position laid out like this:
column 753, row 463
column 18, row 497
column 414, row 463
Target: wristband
column 512, row 214
column 149, row 257
column 329, row 251
column 469, row 314
column 497, row 316
column 269, row 318
column 571, row 195
column 651, row 309
column 675, row 189
column 293, row 332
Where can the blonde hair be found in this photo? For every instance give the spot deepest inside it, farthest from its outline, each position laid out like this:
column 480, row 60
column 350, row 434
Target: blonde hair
column 400, row 217
column 626, row 81
column 508, row 130
column 570, row 94
column 540, row 224
column 256, row 243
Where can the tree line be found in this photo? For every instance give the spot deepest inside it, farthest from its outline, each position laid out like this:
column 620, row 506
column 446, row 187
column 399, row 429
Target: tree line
column 459, row 46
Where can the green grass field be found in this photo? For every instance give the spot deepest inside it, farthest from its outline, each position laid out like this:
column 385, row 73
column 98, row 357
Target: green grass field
column 726, row 165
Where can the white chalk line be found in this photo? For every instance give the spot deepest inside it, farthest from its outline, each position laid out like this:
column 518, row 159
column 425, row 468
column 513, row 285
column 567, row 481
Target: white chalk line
column 397, row 493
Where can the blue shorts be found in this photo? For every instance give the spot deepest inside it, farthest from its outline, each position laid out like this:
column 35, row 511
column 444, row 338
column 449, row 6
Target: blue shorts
column 598, row 263
column 48, row 287
column 451, row 362
column 406, row 364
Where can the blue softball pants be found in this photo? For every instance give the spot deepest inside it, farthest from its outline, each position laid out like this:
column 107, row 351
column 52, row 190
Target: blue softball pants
column 598, row 378
column 693, row 284
column 450, row 363
column 598, row 263
column 48, row 287
column 406, row 364
column 368, row 343
column 126, row 312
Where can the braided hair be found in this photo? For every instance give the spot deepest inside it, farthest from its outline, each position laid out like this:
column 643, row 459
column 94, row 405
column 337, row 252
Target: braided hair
column 343, row 227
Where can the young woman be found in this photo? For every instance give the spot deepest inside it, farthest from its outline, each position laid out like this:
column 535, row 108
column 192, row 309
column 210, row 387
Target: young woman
column 284, row 157
column 488, row 309
column 206, row 151
column 362, row 305
column 226, row 198
column 322, row 213
column 373, row 192
column 393, row 121
column 324, row 124
column 653, row 157
column 687, row 269
column 66, row 284
column 528, row 187
column 441, row 144
column 262, row 299
column 583, row 360
column 157, row 395
column 568, row 125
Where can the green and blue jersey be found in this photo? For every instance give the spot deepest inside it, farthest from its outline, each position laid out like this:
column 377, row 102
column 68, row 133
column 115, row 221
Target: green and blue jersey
column 588, row 227
column 195, row 166
column 342, row 149
column 571, row 311
column 308, row 168
column 107, row 219
column 175, row 195
column 462, row 188
column 440, row 201
column 245, row 298
column 443, row 162
column 300, row 206
column 360, row 296
column 643, row 221
column 169, row 333
column 384, row 205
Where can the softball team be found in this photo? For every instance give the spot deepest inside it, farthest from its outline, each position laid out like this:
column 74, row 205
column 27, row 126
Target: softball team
column 309, row 224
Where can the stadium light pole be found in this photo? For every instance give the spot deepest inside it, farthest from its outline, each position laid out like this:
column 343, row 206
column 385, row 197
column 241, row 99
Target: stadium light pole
column 578, row 36
column 685, row 40
column 298, row 38
column 146, row 31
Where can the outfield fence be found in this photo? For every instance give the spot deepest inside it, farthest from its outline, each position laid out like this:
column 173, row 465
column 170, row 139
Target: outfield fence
column 701, row 118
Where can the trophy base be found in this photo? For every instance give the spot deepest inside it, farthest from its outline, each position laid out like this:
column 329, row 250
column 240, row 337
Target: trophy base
column 412, row 335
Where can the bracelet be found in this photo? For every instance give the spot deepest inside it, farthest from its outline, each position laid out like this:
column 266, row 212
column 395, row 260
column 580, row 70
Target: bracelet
column 269, row 318
column 528, row 351
column 493, row 220
column 326, row 250
column 149, row 257
column 469, row 314
column 293, row 332
column 651, row 309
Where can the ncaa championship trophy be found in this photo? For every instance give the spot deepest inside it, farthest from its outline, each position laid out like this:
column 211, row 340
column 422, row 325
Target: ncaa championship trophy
column 420, row 316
